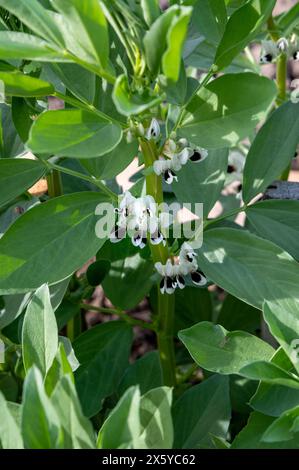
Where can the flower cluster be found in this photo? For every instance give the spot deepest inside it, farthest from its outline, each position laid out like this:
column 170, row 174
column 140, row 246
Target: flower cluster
column 173, row 275
column 176, row 154
column 139, row 218
column 271, row 50
column 137, row 130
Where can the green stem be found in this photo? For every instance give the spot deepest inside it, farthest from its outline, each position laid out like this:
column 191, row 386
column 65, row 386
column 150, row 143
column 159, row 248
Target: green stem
column 121, row 314
column 161, row 253
column 54, row 183
column 281, row 78
column 77, row 174
column 74, row 327
column 86, row 107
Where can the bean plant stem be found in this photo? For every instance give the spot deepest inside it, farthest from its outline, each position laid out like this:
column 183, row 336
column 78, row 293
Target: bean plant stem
column 77, row 174
column 121, row 314
column 160, row 253
column 54, row 183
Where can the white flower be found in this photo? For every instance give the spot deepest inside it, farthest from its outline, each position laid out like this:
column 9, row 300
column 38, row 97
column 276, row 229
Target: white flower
column 153, row 132
column 173, row 275
column 138, row 217
column 198, row 154
column 269, row 52
column 282, row 45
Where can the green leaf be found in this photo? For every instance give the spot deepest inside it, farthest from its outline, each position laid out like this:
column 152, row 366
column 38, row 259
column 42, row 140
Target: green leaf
column 165, row 39
column 273, row 400
column 251, row 435
column 285, row 428
column 227, row 110
column 97, row 271
column 192, row 305
column 218, row 350
column 171, row 60
column 103, row 353
column 110, row 165
column 10, row 436
column 57, row 252
column 16, row 176
column 89, row 22
column 41, row 428
column 78, row 431
column 201, row 411
column 272, row 150
column 209, row 18
column 132, row 275
column 73, row 133
column 10, row 143
column 241, row 28
column 122, row 427
column 289, row 20
column 230, row 255
column 37, row 18
column 277, row 221
column 151, row 10
column 59, row 368
column 145, row 372
column 204, row 181
column 39, row 333
column 83, row 88
column 15, row 45
column 155, row 419
column 18, row 84
column 22, row 117
column 282, row 318
column 235, row 314
column 270, row 373
column 128, row 102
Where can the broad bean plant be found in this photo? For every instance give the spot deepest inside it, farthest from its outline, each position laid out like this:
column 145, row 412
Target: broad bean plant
column 87, row 88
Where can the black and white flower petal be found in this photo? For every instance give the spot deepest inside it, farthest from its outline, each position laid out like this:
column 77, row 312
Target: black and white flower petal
column 180, row 281
column 198, row 278
column 198, row 155
column 170, row 176
column 117, row 234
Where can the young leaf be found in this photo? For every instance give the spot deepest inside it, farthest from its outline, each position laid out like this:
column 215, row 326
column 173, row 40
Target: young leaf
column 270, row 373
column 17, row 175
column 41, row 428
column 160, row 43
column 122, row 427
column 203, row 182
column 78, row 431
column 192, row 305
column 73, row 133
column 171, row 60
column 273, row 400
column 39, row 333
column 284, row 428
column 15, row 45
column 151, row 10
column 282, row 318
column 201, row 411
column 228, row 255
column 155, row 419
column 37, row 18
column 251, row 435
column 219, row 350
column 57, row 252
column 10, row 436
column 272, row 150
column 241, row 28
column 227, row 110
column 103, row 353
column 89, row 22
column 59, row 368
column 128, row 102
